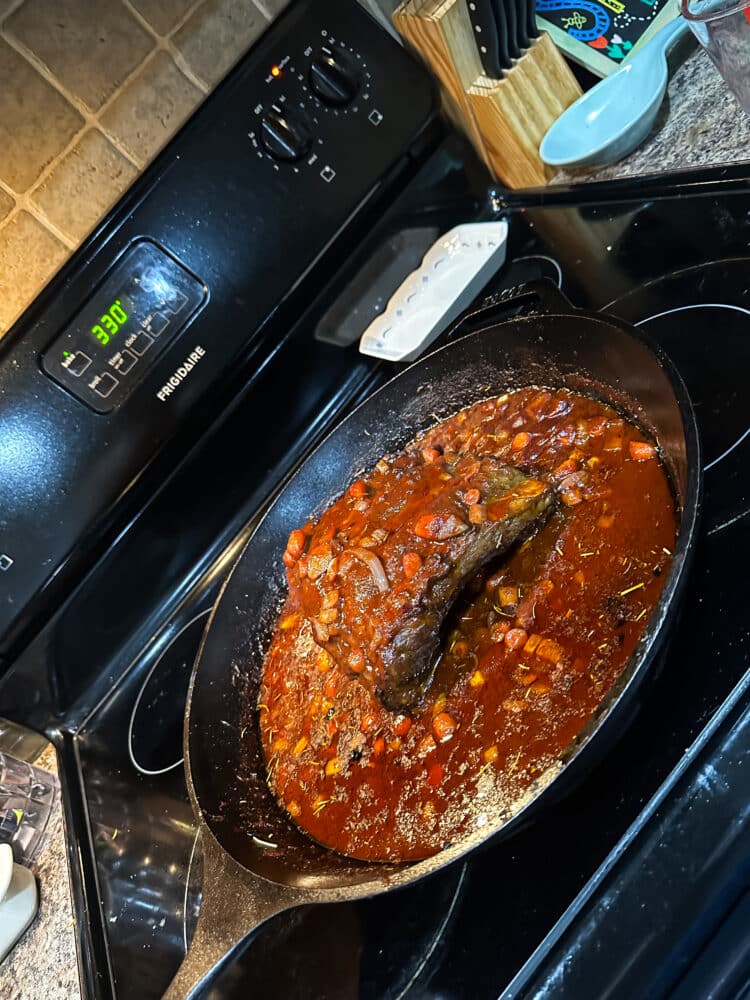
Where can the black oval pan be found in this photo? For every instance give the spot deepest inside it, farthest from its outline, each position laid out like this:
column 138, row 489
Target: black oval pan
column 256, row 862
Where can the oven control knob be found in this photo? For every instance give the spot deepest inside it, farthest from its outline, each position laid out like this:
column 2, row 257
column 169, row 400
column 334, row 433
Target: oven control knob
column 334, row 78
column 285, row 135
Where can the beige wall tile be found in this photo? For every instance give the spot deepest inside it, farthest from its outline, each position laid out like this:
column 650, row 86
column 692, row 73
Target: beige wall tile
column 84, row 185
column 162, row 15
column 29, row 255
column 217, row 34
column 6, row 205
column 36, row 123
column 91, row 47
column 151, row 108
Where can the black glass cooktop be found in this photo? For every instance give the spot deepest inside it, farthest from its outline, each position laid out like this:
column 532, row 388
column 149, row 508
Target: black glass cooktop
column 676, row 267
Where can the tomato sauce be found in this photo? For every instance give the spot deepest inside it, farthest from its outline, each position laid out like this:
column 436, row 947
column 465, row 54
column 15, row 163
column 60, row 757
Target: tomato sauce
column 530, row 650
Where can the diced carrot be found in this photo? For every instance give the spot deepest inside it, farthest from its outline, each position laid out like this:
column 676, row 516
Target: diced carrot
column 412, row 563
column 293, row 808
column 288, row 622
column 333, row 766
column 579, row 578
column 516, row 638
column 324, row 662
column 296, row 544
column 300, row 746
column 439, row 527
column 491, row 754
column 507, row 596
column 444, row 726
column 378, row 747
column 550, row 651
column 430, row 455
column 328, row 616
column 478, row 513
column 435, row 775
column 606, row 521
column 471, row 497
column 613, row 443
column 532, row 643
column 641, row 451
column 403, row 725
column 280, row 743
column 359, row 490
column 520, row 441
column 477, row 679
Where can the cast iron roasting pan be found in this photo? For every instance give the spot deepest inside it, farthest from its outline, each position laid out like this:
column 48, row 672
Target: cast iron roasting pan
column 256, row 862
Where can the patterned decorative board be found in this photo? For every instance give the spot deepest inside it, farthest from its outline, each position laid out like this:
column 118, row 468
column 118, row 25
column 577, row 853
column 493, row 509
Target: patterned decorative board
column 602, row 34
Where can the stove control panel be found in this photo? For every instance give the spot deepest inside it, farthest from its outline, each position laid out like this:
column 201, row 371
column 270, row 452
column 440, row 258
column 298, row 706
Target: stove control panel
column 107, row 347
column 307, row 90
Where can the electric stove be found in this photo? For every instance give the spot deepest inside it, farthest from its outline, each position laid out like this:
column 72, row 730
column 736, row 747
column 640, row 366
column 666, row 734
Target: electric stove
column 586, row 894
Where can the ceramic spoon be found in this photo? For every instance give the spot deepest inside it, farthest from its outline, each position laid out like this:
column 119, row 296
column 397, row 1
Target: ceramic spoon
column 616, row 115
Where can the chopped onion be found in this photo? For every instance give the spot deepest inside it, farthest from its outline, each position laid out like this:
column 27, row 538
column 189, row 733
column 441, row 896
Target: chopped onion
column 374, row 565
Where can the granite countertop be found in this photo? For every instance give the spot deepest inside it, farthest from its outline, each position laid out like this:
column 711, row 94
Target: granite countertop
column 700, row 125
column 43, row 963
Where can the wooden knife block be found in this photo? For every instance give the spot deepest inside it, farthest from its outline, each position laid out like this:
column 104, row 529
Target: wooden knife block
column 505, row 119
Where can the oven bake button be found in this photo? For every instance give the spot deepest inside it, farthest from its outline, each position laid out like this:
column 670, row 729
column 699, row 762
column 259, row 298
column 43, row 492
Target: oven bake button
column 105, row 384
column 76, row 364
column 141, row 343
column 124, row 361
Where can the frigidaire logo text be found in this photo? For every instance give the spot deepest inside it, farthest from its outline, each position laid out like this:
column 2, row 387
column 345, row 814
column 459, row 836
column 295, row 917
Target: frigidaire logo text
column 181, row 373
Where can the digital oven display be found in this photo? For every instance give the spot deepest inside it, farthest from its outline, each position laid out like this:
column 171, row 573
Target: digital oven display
column 147, row 298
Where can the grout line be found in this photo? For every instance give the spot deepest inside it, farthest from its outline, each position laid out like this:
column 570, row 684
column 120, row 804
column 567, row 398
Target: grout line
column 168, row 46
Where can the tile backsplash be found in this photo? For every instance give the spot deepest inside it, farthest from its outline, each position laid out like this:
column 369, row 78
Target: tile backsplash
column 90, row 90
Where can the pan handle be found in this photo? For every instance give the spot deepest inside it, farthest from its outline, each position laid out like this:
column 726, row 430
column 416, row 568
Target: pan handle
column 542, row 296
column 235, row 903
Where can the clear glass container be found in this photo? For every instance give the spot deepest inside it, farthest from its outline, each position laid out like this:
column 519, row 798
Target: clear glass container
column 723, row 29
column 27, row 798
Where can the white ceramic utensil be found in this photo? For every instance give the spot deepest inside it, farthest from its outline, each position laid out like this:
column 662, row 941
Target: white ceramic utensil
column 452, row 273
column 616, row 115
column 18, row 900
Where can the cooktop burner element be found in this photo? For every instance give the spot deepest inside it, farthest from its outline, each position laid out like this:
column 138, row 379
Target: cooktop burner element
column 155, row 730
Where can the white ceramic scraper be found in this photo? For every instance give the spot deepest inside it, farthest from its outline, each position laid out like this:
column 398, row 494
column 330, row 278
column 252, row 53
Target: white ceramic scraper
column 19, row 900
column 452, row 273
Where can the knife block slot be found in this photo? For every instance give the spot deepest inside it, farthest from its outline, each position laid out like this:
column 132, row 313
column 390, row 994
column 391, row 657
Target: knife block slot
column 506, row 119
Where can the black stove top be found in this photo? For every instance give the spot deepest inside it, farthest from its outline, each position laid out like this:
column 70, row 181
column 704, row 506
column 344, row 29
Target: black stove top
column 108, row 677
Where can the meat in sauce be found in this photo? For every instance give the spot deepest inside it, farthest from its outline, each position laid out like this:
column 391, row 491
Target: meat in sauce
column 377, row 584
column 528, row 653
